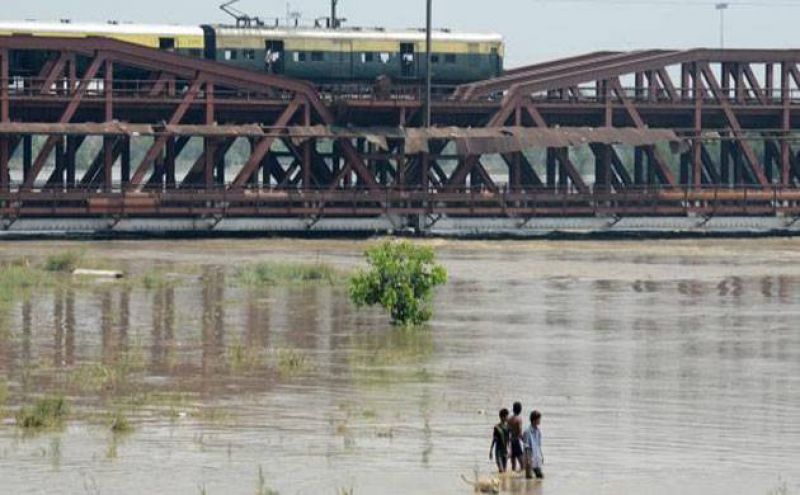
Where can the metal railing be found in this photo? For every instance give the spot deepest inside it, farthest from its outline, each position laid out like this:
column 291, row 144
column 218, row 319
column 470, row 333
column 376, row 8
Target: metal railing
column 27, row 87
column 223, row 202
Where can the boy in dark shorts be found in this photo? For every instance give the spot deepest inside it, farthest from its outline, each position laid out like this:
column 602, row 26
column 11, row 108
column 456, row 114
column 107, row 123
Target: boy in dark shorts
column 499, row 445
column 515, row 437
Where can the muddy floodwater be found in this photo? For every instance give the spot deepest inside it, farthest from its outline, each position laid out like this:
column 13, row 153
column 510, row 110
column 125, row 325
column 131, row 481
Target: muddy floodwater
column 661, row 367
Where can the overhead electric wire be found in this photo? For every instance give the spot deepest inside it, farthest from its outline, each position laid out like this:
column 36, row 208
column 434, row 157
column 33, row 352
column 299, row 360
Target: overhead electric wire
column 692, row 3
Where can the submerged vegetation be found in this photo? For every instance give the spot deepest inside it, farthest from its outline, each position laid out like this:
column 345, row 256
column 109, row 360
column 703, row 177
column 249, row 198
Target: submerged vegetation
column 261, row 484
column 272, row 273
column 17, row 277
column 401, row 279
column 243, row 358
column 48, row 412
column 65, row 262
column 119, row 423
column 114, row 377
column 3, row 395
column 292, row 361
column 115, row 392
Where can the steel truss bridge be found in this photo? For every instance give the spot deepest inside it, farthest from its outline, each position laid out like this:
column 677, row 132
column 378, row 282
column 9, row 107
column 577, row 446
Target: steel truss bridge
column 100, row 135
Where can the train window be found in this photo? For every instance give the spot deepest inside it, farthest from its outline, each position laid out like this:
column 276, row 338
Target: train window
column 434, row 59
column 167, row 44
column 450, row 58
column 385, row 57
column 367, row 57
column 317, row 56
column 231, row 54
column 300, row 56
column 249, row 54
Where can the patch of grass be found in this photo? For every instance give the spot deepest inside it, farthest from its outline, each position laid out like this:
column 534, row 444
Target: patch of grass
column 396, row 356
column 261, row 486
column 3, row 395
column 93, row 377
column 48, row 412
column 242, row 358
column 292, row 361
column 90, row 485
column 385, row 433
column 119, row 423
column 172, row 405
column 400, row 347
column 17, row 278
column 98, row 377
column 782, row 488
column 155, row 279
column 112, row 451
column 269, row 274
column 64, row 262
column 212, row 415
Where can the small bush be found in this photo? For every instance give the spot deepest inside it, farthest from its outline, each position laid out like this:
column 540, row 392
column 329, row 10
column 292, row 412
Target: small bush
column 46, row 413
column 63, row 262
column 401, row 279
column 270, row 273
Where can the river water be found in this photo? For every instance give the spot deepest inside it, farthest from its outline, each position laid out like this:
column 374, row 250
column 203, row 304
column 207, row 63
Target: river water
column 660, row 367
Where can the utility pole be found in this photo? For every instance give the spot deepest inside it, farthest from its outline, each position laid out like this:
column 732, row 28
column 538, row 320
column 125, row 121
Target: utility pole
column 721, row 8
column 428, row 71
column 334, row 17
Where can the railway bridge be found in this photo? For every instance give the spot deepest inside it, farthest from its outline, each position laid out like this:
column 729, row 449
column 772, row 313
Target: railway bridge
column 98, row 135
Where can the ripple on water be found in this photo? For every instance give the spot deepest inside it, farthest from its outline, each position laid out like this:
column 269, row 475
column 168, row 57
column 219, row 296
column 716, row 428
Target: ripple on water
column 660, row 368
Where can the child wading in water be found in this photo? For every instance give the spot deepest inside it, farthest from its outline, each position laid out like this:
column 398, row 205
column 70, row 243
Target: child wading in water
column 533, row 447
column 499, row 445
column 515, row 437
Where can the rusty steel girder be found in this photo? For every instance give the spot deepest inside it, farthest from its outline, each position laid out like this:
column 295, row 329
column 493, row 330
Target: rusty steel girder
column 100, row 127
column 720, row 101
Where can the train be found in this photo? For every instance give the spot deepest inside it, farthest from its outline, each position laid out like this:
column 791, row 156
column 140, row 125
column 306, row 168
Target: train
column 318, row 54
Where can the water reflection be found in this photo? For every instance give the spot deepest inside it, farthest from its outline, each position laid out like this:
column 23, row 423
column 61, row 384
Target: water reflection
column 213, row 321
column 162, row 347
column 618, row 364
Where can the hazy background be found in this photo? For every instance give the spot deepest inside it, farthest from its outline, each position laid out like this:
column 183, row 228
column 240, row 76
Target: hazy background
column 535, row 30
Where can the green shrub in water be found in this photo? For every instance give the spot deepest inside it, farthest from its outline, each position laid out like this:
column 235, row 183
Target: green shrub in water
column 401, row 279
column 46, row 413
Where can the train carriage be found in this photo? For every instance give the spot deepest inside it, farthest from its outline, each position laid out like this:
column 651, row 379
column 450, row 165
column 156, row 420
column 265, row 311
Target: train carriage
column 344, row 55
column 186, row 40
